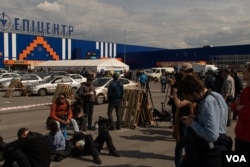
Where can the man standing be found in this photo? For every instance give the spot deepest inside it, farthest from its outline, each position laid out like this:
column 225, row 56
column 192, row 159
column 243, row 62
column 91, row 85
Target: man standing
column 163, row 79
column 228, row 90
column 87, row 94
column 143, row 80
column 209, row 137
column 115, row 94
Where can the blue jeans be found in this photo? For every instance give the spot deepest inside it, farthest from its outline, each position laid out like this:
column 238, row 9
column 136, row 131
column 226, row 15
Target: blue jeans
column 73, row 122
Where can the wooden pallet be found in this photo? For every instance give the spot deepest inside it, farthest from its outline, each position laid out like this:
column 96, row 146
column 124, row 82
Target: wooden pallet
column 16, row 85
column 67, row 90
column 135, row 108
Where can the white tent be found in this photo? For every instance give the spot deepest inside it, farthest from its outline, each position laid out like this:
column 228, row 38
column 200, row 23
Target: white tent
column 89, row 65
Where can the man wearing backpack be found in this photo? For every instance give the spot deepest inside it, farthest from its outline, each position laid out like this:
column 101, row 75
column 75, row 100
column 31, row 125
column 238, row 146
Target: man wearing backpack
column 115, row 93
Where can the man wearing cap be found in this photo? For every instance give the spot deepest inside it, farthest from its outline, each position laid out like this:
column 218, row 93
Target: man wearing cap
column 30, row 150
column 182, row 106
column 87, row 93
column 115, row 93
column 228, row 90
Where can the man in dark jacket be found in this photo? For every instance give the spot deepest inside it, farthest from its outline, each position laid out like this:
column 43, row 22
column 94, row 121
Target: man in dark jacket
column 115, row 93
column 29, row 150
column 84, row 144
column 87, row 94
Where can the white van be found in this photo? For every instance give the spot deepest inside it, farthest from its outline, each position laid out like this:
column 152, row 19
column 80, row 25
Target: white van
column 157, row 72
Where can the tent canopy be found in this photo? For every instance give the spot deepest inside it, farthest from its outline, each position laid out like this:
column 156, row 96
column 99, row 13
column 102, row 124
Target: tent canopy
column 90, row 65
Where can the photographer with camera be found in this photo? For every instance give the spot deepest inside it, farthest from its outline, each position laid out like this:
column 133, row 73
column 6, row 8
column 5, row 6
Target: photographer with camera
column 84, row 144
column 209, row 138
column 182, row 107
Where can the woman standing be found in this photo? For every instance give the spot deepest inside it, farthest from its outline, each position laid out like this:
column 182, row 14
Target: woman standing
column 242, row 107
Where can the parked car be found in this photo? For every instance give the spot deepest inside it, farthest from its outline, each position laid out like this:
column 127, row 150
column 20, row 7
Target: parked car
column 26, row 79
column 48, row 86
column 8, row 76
column 54, row 73
column 77, row 77
column 3, row 70
column 102, row 84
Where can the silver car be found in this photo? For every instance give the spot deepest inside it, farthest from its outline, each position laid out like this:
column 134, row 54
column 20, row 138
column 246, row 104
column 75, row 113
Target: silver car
column 101, row 87
column 48, row 86
column 8, row 76
column 77, row 77
column 26, row 79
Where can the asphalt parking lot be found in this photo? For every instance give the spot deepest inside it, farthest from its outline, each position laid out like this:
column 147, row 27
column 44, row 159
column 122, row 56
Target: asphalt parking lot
column 150, row 146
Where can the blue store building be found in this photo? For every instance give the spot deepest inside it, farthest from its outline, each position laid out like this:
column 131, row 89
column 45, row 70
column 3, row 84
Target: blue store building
column 25, row 43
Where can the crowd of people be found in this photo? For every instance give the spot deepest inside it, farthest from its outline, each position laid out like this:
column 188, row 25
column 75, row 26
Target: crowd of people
column 201, row 108
column 33, row 149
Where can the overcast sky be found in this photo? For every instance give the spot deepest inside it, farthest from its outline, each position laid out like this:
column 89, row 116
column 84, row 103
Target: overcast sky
column 171, row 24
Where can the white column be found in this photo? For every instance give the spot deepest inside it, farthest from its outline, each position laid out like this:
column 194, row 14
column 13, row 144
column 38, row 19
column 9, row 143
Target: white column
column 69, row 49
column 13, row 46
column 63, row 49
column 114, row 50
column 101, row 50
column 110, row 49
column 6, row 46
column 106, row 49
column 97, row 45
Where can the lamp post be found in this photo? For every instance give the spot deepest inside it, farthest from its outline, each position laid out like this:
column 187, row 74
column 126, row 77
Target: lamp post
column 124, row 43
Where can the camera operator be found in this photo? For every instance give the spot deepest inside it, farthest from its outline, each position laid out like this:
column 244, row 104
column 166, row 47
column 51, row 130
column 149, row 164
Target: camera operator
column 209, row 138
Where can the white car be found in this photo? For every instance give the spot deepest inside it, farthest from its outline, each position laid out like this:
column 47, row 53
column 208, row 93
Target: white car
column 48, row 86
column 77, row 77
column 8, row 76
column 101, row 87
column 26, row 79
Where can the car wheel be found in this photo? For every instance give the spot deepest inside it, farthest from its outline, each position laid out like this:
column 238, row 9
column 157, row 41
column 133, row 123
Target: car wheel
column 155, row 79
column 42, row 92
column 74, row 89
column 100, row 99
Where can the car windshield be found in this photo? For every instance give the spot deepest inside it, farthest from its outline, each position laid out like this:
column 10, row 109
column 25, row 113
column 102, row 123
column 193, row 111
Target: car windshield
column 154, row 70
column 47, row 80
column 148, row 71
column 100, row 81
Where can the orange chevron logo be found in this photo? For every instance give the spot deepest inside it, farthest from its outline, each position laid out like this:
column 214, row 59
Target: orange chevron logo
column 38, row 41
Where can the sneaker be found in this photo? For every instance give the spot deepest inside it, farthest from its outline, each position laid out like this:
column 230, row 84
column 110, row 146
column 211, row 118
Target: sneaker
column 97, row 160
column 115, row 154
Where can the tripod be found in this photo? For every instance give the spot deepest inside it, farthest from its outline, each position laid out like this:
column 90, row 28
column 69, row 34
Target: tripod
column 155, row 111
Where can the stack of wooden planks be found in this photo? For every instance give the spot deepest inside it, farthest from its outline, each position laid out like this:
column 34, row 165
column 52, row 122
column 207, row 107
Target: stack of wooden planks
column 135, row 108
column 66, row 89
column 16, row 85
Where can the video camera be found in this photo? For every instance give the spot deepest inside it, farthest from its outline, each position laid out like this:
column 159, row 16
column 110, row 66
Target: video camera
column 103, row 123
